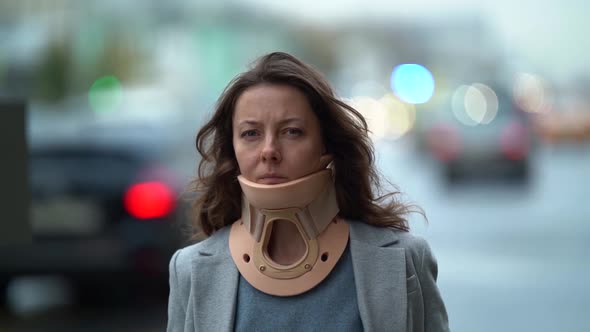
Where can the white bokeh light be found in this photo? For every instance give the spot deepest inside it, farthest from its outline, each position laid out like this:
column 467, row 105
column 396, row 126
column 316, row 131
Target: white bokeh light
column 387, row 117
column 474, row 104
column 532, row 93
column 491, row 100
column 458, row 106
column 400, row 116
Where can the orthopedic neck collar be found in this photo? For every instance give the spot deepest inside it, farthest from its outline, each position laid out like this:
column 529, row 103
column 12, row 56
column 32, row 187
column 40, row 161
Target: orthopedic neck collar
column 310, row 204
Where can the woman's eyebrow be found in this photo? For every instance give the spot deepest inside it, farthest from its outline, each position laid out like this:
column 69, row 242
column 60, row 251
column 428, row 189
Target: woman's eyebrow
column 248, row 122
column 290, row 120
column 282, row 122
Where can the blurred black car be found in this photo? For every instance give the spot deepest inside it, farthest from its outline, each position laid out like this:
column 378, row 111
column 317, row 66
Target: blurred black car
column 498, row 149
column 104, row 214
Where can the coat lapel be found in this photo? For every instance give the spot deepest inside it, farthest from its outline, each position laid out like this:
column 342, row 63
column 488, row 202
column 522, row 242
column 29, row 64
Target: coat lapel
column 214, row 287
column 380, row 278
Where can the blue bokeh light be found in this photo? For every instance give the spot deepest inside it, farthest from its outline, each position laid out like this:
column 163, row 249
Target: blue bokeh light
column 412, row 83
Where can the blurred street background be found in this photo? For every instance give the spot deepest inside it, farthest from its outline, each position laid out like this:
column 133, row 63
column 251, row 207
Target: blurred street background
column 480, row 113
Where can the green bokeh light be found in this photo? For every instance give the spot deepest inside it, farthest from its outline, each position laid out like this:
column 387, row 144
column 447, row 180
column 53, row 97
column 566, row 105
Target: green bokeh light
column 105, row 94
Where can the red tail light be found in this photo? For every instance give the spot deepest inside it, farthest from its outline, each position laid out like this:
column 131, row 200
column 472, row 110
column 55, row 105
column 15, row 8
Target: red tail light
column 514, row 142
column 149, row 200
column 444, row 142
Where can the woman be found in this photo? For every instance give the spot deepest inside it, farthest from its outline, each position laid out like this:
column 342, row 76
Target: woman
column 297, row 237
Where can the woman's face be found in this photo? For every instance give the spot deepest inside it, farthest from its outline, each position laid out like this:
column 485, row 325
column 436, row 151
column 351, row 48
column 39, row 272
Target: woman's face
column 276, row 135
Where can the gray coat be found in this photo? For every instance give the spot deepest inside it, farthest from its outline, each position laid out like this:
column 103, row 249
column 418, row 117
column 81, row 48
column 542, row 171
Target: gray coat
column 395, row 275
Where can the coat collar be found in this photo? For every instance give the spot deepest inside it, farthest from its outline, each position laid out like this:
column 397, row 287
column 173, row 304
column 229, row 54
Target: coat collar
column 215, row 280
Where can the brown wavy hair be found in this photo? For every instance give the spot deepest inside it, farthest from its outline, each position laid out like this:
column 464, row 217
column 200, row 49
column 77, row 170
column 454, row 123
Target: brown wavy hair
column 344, row 132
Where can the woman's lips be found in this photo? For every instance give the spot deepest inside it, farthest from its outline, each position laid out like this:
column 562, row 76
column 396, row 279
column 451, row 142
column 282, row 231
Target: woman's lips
column 272, row 180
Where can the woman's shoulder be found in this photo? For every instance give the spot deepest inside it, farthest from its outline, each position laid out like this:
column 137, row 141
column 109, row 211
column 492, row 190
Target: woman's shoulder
column 411, row 241
column 388, row 237
column 181, row 261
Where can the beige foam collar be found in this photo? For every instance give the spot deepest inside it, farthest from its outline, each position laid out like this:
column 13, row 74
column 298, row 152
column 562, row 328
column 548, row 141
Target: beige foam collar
column 314, row 196
column 310, row 204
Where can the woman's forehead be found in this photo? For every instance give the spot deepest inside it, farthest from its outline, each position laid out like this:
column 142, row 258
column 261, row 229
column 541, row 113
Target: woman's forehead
column 272, row 102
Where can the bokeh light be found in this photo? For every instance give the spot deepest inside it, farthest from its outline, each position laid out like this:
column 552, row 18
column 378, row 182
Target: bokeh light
column 105, row 94
column 400, row 117
column 149, row 200
column 532, row 93
column 481, row 103
column 491, row 100
column 474, row 104
column 412, row 83
column 374, row 113
column 458, row 106
column 387, row 117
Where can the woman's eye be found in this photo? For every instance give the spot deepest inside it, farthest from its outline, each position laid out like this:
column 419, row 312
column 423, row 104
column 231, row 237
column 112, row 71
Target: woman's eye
column 294, row 131
column 248, row 133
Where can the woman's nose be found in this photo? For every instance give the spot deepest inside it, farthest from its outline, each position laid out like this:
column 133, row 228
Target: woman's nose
column 270, row 152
